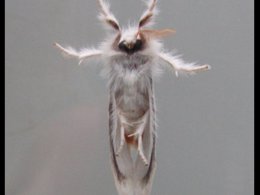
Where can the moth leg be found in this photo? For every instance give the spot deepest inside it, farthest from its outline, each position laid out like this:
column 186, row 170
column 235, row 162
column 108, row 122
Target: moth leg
column 180, row 66
column 68, row 52
column 141, row 151
column 139, row 133
column 122, row 140
column 80, row 55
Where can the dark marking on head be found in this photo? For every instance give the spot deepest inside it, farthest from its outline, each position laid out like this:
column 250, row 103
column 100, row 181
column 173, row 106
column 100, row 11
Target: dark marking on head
column 137, row 46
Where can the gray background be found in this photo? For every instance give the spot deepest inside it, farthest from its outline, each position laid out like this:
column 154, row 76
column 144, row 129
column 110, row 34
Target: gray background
column 56, row 111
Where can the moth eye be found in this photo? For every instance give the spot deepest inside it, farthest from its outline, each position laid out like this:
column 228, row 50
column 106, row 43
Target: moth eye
column 122, row 46
column 138, row 44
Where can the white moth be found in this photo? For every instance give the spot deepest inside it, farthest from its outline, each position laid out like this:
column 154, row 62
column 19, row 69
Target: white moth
column 132, row 56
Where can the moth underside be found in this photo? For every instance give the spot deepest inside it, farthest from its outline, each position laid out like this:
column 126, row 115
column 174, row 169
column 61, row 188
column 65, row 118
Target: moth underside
column 132, row 57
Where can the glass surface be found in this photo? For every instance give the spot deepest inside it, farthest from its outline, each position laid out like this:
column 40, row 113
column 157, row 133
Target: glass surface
column 56, row 111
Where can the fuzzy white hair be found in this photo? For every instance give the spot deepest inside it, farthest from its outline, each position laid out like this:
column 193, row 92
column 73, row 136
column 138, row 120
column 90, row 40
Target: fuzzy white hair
column 132, row 57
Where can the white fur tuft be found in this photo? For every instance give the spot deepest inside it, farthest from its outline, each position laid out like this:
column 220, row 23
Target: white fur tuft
column 179, row 66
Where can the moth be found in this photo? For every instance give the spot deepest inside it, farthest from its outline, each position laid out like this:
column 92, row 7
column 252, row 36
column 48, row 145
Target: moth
column 132, row 57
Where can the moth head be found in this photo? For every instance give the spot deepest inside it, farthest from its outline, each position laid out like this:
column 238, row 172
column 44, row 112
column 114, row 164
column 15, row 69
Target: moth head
column 133, row 39
column 130, row 41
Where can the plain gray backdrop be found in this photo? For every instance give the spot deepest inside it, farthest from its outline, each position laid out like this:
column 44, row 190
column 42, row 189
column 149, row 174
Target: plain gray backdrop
column 56, row 111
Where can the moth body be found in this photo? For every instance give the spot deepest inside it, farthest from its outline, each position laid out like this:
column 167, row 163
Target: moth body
column 131, row 58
